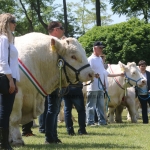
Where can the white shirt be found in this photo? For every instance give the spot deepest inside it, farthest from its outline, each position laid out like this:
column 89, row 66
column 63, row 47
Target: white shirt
column 97, row 66
column 5, row 68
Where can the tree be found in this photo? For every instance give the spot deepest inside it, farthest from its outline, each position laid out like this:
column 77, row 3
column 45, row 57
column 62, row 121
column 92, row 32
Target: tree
column 86, row 17
column 126, row 42
column 132, row 8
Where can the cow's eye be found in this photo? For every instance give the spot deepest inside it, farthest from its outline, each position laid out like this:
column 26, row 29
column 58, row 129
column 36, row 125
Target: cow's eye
column 74, row 57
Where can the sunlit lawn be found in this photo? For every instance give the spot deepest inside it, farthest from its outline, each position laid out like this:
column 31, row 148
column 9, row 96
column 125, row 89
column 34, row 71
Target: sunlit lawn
column 125, row 136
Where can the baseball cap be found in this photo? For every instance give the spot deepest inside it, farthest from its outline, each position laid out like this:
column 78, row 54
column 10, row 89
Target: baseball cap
column 98, row 43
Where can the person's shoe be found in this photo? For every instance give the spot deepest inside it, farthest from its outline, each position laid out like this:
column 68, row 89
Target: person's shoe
column 82, row 132
column 91, row 124
column 50, row 142
column 41, row 131
column 28, row 134
column 71, row 133
column 58, row 141
column 102, row 124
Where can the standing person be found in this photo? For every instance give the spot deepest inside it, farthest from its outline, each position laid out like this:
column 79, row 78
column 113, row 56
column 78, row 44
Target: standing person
column 75, row 97
column 142, row 92
column 95, row 94
column 55, row 29
column 9, row 67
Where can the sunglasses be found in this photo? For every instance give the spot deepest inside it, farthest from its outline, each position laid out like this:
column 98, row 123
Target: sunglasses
column 61, row 28
column 13, row 21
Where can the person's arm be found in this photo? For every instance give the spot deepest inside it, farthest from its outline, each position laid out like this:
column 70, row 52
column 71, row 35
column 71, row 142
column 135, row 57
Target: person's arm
column 115, row 75
column 5, row 68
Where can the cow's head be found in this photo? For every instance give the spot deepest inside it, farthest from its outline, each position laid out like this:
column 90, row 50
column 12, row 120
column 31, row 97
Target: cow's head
column 73, row 53
column 132, row 73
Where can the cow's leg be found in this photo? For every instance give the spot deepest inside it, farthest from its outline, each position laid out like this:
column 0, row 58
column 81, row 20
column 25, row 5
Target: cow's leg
column 61, row 113
column 111, row 115
column 118, row 113
column 132, row 113
column 128, row 116
column 15, row 136
column 137, row 107
column 132, row 110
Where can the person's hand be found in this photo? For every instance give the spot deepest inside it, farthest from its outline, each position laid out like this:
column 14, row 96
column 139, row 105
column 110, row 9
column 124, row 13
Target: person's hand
column 11, row 86
column 97, row 75
column 122, row 74
column 16, row 89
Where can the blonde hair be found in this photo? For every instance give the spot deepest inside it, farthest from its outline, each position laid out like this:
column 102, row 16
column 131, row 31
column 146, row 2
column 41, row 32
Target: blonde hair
column 4, row 25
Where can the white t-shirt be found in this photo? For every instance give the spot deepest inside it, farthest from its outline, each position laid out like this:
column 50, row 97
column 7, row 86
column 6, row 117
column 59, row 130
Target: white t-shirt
column 97, row 66
column 5, row 68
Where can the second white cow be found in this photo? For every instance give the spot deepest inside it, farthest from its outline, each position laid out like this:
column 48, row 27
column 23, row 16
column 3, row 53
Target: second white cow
column 117, row 85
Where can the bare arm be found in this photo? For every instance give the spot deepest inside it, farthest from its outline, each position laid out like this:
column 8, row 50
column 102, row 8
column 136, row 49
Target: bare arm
column 115, row 75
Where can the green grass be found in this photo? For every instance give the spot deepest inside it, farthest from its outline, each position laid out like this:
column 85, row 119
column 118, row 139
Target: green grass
column 125, row 136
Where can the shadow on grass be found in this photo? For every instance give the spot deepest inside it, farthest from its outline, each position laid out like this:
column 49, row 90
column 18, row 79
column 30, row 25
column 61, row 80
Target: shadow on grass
column 123, row 125
column 78, row 146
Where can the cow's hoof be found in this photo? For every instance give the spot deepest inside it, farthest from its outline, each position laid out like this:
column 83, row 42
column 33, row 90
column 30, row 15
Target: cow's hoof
column 18, row 144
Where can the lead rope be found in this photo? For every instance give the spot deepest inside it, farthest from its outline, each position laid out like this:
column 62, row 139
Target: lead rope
column 125, row 89
column 106, row 93
column 126, row 81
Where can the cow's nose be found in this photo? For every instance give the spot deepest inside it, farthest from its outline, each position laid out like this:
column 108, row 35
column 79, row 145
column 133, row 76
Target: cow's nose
column 91, row 75
column 143, row 81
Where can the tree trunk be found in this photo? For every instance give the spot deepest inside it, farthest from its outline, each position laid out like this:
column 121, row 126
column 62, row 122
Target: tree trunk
column 65, row 18
column 98, row 16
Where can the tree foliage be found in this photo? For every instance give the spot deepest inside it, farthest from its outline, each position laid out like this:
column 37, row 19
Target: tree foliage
column 126, row 42
column 87, row 17
column 132, row 8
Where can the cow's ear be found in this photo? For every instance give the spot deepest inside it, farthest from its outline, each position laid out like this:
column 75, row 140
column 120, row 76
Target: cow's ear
column 123, row 67
column 64, row 37
column 56, row 45
column 67, row 41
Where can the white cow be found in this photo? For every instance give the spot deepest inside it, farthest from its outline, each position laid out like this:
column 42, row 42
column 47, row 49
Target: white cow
column 40, row 59
column 137, row 103
column 116, row 87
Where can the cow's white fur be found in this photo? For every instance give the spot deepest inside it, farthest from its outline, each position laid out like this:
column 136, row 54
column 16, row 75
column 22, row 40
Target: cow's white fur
column 132, row 105
column 115, row 92
column 36, row 53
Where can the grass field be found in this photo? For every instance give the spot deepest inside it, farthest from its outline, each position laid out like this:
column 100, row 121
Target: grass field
column 125, row 136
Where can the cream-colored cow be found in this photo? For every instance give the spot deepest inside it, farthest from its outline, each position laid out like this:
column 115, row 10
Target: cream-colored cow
column 40, row 59
column 116, row 85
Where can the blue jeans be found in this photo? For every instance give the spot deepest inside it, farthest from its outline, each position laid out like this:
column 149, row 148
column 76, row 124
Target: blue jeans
column 95, row 100
column 51, row 117
column 42, row 118
column 74, row 97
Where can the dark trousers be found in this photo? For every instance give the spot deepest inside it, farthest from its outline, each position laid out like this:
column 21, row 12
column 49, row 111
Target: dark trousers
column 42, row 118
column 26, row 128
column 54, row 103
column 144, row 107
column 74, row 97
column 6, row 105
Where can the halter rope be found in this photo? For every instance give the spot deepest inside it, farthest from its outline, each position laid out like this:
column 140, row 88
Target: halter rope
column 104, row 89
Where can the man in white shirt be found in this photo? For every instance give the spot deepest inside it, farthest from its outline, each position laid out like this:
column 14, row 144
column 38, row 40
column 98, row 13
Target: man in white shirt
column 95, row 92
